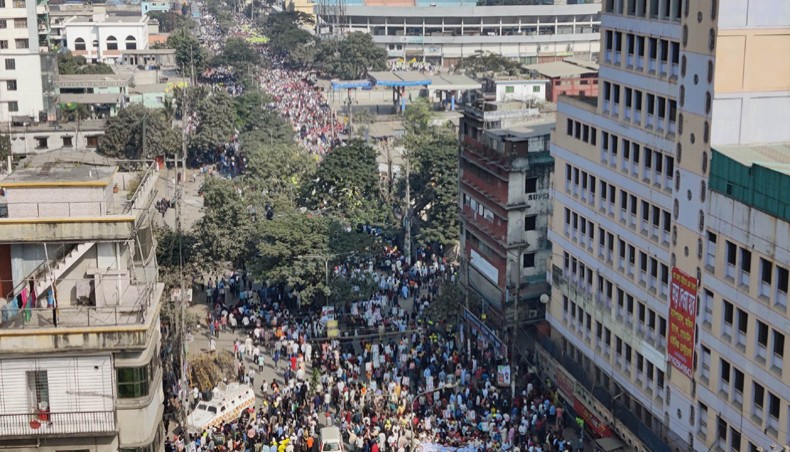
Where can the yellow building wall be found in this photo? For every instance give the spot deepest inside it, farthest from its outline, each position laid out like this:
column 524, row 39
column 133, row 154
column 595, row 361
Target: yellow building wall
column 753, row 60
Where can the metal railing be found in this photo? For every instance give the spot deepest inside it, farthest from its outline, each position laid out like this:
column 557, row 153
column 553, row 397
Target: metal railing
column 83, row 316
column 60, row 424
column 138, row 200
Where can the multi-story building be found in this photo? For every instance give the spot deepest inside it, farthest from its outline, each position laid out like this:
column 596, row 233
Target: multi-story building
column 25, row 72
column 632, row 213
column 103, row 37
column 448, row 34
column 79, row 331
column 742, row 387
column 504, row 179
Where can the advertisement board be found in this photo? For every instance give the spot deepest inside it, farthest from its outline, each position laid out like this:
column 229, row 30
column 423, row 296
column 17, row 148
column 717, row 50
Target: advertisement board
column 503, row 375
column 682, row 321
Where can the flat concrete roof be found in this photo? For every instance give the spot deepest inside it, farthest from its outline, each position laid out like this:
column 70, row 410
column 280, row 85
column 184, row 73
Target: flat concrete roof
column 86, row 125
column 91, row 98
column 57, row 169
column 559, row 69
column 527, row 130
column 473, row 11
column 399, row 78
column 775, row 156
column 452, row 82
column 72, row 80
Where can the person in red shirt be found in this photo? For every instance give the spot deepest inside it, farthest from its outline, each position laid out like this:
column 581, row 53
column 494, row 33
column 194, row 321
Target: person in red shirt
column 293, row 362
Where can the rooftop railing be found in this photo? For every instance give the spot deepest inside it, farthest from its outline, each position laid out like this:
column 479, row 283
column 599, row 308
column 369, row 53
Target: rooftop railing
column 57, row 424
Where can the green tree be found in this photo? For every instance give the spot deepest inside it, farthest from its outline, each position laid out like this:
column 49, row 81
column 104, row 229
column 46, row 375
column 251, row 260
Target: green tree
column 275, row 171
column 189, row 53
column 215, row 119
column 447, row 307
column 170, row 21
column 251, row 111
column 289, row 251
column 173, row 249
column 346, row 184
column 351, row 57
column 432, row 152
column 482, row 62
column 138, row 132
column 239, row 54
column 289, row 38
column 222, row 234
column 69, row 64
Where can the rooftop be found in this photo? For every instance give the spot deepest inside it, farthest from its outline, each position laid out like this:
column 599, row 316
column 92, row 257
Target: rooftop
column 524, row 131
column 772, row 156
column 149, row 52
column 42, row 127
column 91, row 98
column 50, row 171
column 562, row 69
column 76, row 80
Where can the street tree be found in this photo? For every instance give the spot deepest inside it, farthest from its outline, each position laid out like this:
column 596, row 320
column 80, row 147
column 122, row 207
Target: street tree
column 346, row 184
column 138, row 132
column 215, row 123
column 223, row 233
column 5, row 148
column 432, row 153
column 352, row 57
column 289, row 38
column 238, row 54
column 251, row 111
column 275, row 171
column 189, row 53
column 293, row 249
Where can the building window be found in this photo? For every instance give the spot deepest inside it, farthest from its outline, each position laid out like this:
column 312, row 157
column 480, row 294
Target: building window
column 79, row 44
column 92, row 142
column 131, row 43
column 3, row 44
column 531, row 185
column 758, row 398
column 536, row 89
column 112, row 43
column 530, row 222
column 37, row 390
column 22, row 43
column 10, row 85
column 510, row 89
column 703, row 418
column 133, row 382
column 20, row 22
column 528, row 260
column 10, row 64
column 41, row 143
column 67, row 142
column 3, row 24
column 13, row 106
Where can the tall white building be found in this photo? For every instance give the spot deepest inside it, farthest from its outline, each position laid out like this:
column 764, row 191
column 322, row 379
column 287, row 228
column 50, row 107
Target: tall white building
column 652, row 339
column 21, row 81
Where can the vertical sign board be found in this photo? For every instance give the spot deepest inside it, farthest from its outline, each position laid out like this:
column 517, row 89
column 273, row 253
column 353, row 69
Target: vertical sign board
column 682, row 321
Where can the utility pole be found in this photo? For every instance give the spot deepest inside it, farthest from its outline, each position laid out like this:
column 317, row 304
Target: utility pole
column 182, row 308
column 407, row 216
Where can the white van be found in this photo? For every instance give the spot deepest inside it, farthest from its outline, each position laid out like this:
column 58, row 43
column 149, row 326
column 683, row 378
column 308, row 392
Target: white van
column 331, row 440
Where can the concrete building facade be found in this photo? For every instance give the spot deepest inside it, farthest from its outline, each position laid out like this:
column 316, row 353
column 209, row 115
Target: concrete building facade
column 103, row 38
column 504, row 178
column 21, row 82
column 633, row 209
column 445, row 36
column 79, row 335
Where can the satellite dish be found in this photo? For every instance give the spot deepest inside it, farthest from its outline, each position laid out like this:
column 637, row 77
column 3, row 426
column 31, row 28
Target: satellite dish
column 544, row 298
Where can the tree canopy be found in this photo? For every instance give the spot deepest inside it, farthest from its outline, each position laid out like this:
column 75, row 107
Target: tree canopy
column 189, row 52
column 289, row 38
column 346, row 184
column 482, row 62
column 352, row 57
column 215, row 122
column 69, row 64
column 124, row 135
column 239, row 54
column 433, row 155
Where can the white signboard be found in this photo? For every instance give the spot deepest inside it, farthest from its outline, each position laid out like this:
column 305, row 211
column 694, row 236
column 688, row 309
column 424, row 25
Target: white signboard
column 485, row 267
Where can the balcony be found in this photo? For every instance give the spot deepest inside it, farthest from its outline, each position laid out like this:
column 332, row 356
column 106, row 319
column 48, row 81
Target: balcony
column 59, row 425
column 117, row 313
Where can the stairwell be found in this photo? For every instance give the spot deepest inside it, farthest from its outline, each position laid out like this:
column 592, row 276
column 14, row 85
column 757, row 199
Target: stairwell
column 60, row 266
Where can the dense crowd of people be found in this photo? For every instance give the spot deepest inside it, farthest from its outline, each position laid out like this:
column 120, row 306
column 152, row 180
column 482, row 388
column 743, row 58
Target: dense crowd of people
column 399, row 382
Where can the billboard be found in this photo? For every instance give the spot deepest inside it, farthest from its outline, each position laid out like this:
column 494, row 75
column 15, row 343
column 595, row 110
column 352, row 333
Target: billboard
column 682, row 321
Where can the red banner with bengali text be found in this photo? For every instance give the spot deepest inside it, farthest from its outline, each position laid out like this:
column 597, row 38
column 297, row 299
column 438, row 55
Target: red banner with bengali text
column 682, row 321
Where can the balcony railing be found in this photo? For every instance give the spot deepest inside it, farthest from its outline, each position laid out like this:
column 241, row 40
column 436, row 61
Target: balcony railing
column 132, row 308
column 57, row 424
